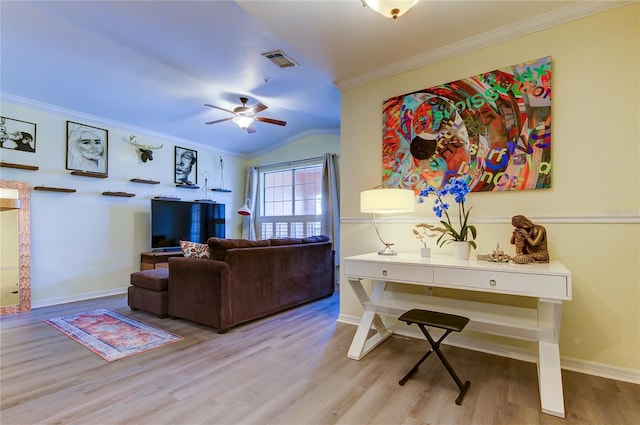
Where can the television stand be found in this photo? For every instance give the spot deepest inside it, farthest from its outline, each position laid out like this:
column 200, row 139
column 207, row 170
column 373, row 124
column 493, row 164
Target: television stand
column 157, row 259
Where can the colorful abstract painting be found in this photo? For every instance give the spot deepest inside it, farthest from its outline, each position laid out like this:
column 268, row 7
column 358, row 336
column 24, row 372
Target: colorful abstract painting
column 492, row 129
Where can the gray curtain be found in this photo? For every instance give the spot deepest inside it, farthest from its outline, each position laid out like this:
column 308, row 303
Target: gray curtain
column 331, row 201
column 250, row 193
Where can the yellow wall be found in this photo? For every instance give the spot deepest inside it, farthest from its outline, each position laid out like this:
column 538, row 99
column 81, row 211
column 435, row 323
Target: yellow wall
column 592, row 211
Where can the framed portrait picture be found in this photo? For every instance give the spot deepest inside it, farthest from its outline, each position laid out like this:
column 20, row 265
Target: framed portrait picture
column 17, row 135
column 87, row 148
column 186, row 166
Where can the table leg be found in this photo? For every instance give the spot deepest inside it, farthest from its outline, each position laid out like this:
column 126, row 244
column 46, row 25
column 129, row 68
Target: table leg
column 363, row 343
column 549, row 370
column 550, row 379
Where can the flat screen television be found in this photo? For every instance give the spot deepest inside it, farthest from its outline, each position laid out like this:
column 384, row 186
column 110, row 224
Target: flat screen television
column 172, row 221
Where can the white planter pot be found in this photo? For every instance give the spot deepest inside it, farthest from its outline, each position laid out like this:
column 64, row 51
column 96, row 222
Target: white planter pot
column 425, row 252
column 461, row 250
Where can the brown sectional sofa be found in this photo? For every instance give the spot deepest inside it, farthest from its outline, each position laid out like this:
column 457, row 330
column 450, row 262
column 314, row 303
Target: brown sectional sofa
column 245, row 280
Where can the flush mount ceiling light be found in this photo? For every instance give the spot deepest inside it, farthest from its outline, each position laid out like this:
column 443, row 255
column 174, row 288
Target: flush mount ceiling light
column 390, row 8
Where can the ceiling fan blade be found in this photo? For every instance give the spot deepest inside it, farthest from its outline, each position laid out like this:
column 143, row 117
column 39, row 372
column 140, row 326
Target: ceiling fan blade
column 259, row 107
column 251, row 129
column 271, row 121
column 217, row 107
column 217, row 121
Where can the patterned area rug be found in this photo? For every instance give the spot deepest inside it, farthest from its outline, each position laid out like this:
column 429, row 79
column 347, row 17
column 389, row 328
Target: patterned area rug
column 110, row 335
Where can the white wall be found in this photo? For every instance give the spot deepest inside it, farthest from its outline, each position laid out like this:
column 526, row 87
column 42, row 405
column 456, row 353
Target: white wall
column 592, row 211
column 84, row 244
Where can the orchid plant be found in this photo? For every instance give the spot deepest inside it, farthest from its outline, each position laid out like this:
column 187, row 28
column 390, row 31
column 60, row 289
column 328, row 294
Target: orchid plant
column 459, row 189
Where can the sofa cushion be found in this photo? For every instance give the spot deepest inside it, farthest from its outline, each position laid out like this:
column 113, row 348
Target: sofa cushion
column 152, row 279
column 314, row 239
column 218, row 246
column 194, row 249
column 285, row 241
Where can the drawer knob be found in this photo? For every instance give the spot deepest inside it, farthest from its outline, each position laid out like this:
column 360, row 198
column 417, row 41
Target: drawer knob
column 384, row 272
column 492, row 282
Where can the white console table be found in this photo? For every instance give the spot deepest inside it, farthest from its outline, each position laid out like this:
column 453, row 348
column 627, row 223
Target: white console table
column 549, row 283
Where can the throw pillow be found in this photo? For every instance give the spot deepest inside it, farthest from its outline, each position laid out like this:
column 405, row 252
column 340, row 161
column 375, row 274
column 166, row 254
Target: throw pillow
column 194, row 249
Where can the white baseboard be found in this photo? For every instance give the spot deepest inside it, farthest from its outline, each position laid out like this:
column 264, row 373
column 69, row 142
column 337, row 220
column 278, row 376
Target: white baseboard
column 82, row 297
column 572, row 364
column 601, row 370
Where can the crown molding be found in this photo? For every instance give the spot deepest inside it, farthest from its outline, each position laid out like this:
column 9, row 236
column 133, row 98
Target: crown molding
column 45, row 107
column 569, row 13
column 94, row 119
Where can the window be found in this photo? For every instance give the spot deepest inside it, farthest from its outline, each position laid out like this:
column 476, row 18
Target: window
column 291, row 202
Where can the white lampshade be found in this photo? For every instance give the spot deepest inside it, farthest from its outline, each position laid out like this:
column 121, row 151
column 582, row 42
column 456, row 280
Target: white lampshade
column 243, row 121
column 387, row 201
column 391, row 8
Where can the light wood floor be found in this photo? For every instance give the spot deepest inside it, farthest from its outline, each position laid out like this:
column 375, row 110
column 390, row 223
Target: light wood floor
column 291, row 368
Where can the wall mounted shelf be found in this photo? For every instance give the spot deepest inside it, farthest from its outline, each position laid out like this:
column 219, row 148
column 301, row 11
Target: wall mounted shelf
column 54, row 189
column 221, row 190
column 188, row 186
column 19, row 166
column 167, row 198
column 121, row 194
column 89, row 174
column 145, row 181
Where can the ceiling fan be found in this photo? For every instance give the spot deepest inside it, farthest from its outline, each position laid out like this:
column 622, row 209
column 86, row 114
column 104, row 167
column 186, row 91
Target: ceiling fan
column 244, row 116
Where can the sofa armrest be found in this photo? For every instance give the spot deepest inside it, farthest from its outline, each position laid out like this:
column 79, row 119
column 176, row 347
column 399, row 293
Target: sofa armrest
column 199, row 291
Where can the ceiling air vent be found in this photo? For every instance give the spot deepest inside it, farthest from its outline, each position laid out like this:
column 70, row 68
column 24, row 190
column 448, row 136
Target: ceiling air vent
column 280, row 58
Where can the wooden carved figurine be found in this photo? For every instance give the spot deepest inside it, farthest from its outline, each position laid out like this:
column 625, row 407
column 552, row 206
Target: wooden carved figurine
column 530, row 241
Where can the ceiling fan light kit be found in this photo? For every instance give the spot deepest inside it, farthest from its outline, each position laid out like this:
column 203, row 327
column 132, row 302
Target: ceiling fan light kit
column 390, row 8
column 243, row 122
column 244, row 116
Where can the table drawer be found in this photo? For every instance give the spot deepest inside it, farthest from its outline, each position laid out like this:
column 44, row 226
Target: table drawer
column 535, row 285
column 389, row 272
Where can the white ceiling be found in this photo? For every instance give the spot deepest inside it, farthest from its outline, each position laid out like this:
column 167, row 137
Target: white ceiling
column 154, row 64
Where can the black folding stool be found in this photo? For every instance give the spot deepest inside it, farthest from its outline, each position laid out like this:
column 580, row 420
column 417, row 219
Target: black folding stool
column 448, row 322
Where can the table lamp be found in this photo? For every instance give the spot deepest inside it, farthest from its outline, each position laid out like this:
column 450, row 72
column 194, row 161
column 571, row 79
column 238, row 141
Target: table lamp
column 386, row 201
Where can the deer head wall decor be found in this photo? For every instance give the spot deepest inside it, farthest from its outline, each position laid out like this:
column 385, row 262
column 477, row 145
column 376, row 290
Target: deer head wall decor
column 146, row 152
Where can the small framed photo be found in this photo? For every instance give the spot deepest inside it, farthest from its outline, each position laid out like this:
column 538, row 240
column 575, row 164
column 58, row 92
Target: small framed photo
column 17, row 135
column 87, row 148
column 186, row 166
